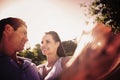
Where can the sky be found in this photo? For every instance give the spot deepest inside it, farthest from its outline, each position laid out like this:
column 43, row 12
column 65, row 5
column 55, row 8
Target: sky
column 66, row 17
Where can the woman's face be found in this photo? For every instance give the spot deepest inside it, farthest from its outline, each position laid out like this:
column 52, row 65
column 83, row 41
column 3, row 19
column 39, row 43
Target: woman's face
column 48, row 45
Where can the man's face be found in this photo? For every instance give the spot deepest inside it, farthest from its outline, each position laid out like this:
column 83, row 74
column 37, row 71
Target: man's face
column 18, row 38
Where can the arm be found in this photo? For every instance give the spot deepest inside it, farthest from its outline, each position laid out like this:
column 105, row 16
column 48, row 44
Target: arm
column 98, row 57
column 64, row 62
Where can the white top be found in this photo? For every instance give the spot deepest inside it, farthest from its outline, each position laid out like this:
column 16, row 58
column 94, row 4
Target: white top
column 55, row 71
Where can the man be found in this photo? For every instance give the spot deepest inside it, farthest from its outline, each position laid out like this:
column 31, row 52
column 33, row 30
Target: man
column 13, row 36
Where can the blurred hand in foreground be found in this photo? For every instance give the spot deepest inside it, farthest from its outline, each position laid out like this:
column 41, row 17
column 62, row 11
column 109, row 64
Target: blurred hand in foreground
column 97, row 59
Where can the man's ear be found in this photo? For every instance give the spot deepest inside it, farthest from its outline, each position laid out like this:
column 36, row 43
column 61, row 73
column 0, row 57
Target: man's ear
column 8, row 28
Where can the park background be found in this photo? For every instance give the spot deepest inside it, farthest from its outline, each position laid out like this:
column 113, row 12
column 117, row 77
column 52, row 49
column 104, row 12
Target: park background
column 67, row 17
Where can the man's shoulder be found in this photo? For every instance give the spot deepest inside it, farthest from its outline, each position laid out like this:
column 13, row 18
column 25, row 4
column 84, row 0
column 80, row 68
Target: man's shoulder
column 27, row 62
column 41, row 66
column 24, row 58
column 4, row 58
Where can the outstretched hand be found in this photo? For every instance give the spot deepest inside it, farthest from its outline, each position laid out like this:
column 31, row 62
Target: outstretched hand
column 98, row 57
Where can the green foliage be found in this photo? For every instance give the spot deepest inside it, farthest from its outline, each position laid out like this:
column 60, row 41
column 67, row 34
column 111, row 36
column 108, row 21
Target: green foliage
column 38, row 58
column 108, row 12
column 35, row 54
column 69, row 47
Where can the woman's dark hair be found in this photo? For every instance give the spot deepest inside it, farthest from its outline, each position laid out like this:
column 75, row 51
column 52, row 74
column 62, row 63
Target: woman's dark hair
column 60, row 50
column 14, row 22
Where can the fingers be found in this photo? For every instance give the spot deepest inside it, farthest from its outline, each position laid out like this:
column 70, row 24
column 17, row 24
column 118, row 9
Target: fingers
column 97, row 58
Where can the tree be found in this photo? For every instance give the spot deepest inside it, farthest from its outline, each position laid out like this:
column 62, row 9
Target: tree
column 37, row 57
column 40, row 56
column 29, row 54
column 69, row 47
column 35, row 54
column 108, row 12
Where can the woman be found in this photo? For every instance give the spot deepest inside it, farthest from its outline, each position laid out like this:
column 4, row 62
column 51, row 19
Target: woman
column 51, row 46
